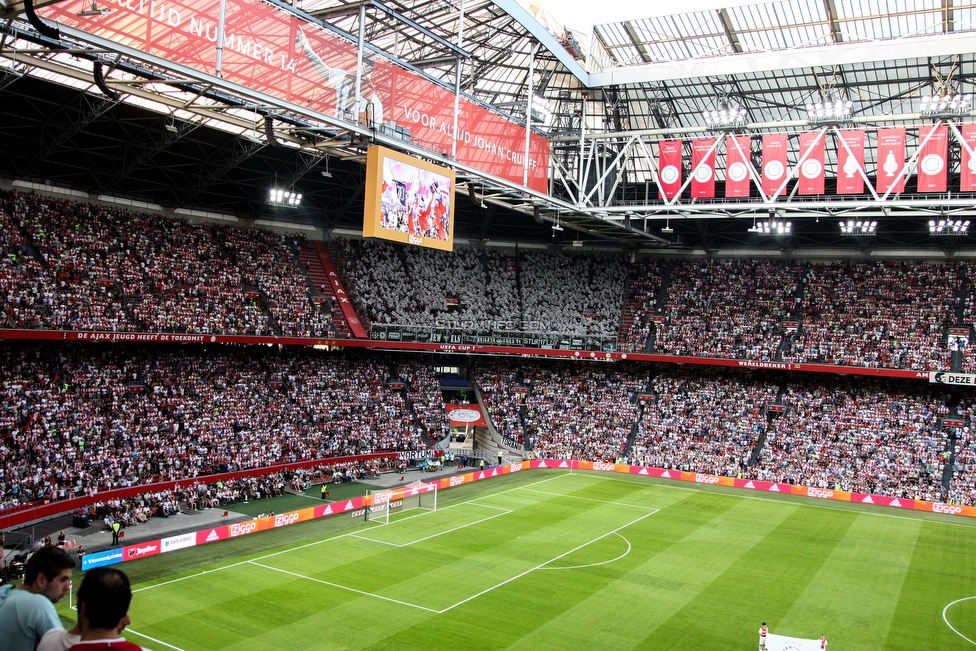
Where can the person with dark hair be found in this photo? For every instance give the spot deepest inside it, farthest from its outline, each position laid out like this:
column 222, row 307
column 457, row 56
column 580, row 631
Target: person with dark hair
column 27, row 611
column 103, row 611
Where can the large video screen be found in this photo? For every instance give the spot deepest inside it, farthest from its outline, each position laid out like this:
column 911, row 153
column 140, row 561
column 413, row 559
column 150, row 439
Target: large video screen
column 408, row 200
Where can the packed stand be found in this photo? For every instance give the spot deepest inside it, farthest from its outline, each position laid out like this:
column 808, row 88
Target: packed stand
column 573, row 294
column 476, row 290
column 269, row 263
column 962, row 487
column 965, row 345
column 703, row 420
column 728, row 308
column 498, row 383
column 27, row 291
column 577, row 411
column 877, row 314
column 426, row 399
column 643, row 288
column 76, row 266
column 862, row 435
column 423, row 287
column 74, row 419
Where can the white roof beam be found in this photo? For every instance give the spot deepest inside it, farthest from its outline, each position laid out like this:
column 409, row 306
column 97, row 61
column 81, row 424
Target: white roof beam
column 918, row 47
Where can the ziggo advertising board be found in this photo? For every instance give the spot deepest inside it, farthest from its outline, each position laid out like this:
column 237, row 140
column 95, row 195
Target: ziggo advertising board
column 355, row 507
column 275, row 52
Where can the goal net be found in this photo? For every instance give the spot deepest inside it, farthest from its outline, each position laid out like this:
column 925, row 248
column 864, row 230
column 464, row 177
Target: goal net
column 381, row 504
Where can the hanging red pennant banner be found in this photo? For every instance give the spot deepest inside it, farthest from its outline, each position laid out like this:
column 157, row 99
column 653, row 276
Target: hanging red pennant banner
column 850, row 162
column 774, row 148
column 933, row 159
column 891, row 160
column 669, row 157
column 811, row 175
column 737, row 150
column 702, row 169
column 967, row 164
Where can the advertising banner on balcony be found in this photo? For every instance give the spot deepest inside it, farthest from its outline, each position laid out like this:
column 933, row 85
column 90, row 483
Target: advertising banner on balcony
column 850, row 162
column 276, row 53
column 891, row 160
column 933, row 159
column 967, row 165
column 774, row 148
column 811, row 175
column 464, row 415
column 737, row 149
column 702, row 169
column 669, row 156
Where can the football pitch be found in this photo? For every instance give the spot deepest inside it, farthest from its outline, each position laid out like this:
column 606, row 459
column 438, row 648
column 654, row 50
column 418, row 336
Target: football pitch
column 552, row 560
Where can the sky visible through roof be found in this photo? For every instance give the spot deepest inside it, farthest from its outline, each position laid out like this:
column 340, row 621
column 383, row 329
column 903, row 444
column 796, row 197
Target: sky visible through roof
column 581, row 15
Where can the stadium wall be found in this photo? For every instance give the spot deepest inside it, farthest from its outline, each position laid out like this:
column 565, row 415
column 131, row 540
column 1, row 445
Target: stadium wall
column 32, row 512
column 167, row 338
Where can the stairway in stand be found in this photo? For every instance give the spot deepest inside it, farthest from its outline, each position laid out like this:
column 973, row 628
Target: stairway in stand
column 322, row 289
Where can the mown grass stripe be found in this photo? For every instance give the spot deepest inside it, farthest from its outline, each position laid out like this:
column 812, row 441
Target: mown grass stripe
column 762, row 585
column 871, row 562
column 942, row 569
column 529, row 614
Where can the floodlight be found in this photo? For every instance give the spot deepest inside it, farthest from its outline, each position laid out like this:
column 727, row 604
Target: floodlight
column 288, row 199
column 948, row 227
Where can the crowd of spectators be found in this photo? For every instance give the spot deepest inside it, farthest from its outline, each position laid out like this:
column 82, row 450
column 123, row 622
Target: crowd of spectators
column 962, row 486
column 877, row 314
column 426, row 399
column 728, row 308
column 74, row 419
column 703, row 420
column 862, row 435
column 573, row 294
column 75, row 266
column 643, row 288
column 485, row 290
column 69, row 265
column 504, row 395
column 571, row 411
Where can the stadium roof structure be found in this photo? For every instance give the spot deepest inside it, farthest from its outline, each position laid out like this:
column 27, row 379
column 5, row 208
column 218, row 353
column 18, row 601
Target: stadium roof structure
column 81, row 113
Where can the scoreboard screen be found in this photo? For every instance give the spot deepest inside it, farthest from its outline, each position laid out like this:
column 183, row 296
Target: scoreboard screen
column 408, row 200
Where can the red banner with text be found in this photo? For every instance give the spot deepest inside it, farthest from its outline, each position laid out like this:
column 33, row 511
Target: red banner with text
column 737, row 151
column 273, row 52
column 669, row 176
column 811, row 176
column 702, row 169
column 891, row 160
column 850, row 162
column 774, row 150
column 464, row 415
column 933, row 158
column 967, row 165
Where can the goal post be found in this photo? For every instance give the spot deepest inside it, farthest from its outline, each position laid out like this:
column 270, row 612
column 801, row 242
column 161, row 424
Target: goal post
column 380, row 504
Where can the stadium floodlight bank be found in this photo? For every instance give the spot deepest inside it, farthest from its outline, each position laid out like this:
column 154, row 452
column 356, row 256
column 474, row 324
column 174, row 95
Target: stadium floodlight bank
column 418, row 495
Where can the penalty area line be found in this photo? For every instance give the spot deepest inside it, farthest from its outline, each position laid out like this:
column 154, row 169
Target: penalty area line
column 345, row 587
column 591, row 499
column 339, row 536
column 435, row 535
column 152, row 639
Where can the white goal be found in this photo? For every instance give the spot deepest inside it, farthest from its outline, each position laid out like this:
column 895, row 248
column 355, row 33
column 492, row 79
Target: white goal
column 418, row 495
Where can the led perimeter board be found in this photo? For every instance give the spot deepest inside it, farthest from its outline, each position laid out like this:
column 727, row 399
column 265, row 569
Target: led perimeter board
column 408, row 200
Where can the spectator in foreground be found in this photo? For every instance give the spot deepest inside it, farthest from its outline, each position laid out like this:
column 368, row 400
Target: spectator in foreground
column 103, row 611
column 27, row 611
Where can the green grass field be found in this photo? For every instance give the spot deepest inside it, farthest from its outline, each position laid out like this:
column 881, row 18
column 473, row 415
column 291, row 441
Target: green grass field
column 548, row 560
